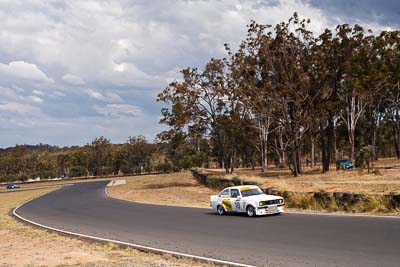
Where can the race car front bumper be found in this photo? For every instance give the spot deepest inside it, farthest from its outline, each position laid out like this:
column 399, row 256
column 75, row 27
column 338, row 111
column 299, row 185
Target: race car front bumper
column 272, row 209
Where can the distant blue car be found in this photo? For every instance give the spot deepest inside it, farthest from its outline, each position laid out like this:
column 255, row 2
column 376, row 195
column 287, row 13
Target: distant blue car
column 344, row 164
column 12, row 186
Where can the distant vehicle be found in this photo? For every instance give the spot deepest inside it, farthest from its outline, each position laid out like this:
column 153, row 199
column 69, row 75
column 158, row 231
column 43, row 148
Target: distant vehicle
column 12, row 186
column 248, row 199
column 344, row 164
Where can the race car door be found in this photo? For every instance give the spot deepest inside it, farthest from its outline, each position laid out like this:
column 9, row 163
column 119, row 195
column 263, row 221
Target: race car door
column 235, row 199
column 225, row 200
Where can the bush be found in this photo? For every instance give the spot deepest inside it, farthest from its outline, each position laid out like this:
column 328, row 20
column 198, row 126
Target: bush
column 236, row 180
column 363, row 157
column 163, row 167
column 214, row 183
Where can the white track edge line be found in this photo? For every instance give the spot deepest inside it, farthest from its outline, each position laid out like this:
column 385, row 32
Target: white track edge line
column 140, row 247
column 345, row 215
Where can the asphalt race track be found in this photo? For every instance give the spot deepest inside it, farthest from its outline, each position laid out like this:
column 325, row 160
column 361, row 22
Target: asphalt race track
column 283, row 240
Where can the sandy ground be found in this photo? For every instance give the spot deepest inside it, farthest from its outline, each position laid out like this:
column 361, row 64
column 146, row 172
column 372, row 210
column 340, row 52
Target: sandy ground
column 24, row 245
column 176, row 189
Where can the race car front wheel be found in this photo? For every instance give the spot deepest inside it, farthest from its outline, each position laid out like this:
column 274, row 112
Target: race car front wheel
column 251, row 212
column 220, row 210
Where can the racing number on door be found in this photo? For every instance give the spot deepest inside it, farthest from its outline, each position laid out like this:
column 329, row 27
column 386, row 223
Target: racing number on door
column 237, row 204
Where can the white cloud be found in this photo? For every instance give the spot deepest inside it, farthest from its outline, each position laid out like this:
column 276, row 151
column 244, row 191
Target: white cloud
column 107, row 97
column 37, row 92
column 35, row 99
column 73, row 79
column 19, row 96
column 118, row 110
column 24, row 70
column 57, row 94
column 9, row 94
column 14, row 107
column 95, row 94
column 113, row 97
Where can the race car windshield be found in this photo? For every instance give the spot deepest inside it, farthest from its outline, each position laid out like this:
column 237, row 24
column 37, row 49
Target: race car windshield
column 252, row 192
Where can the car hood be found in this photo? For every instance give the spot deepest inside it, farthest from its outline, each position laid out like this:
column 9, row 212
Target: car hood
column 263, row 197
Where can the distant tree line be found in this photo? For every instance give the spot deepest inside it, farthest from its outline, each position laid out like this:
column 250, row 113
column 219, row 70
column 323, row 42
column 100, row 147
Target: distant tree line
column 289, row 97
column 97, row 158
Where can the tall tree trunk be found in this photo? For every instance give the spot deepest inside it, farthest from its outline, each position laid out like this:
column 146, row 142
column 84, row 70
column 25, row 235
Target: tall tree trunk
column 233, row 158
column 295, row 169
column 324, row 149
column 280, row 149
column 329, row 146
column 298, row 156
column 351, row 141
column 263, row 126
column 226, row 164
column 396, row 132
column 312, row 141
column 374, row 153
column 334, row 147
column 264, row 156
column 331, row 140
column 283, row 159
column 396, row 141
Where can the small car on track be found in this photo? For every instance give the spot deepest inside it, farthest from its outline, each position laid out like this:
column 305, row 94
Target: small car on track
column 12, row 186
column 248, row 199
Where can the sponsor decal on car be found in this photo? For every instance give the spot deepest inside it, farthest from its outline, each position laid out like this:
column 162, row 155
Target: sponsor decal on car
column 245, row 188
column 227, row 204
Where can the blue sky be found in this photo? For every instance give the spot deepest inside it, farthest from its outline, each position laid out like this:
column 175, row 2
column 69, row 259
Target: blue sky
column 74, row 70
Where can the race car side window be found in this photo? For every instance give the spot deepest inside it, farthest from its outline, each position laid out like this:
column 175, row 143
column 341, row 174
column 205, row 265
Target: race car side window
column 224, row 193
column 234, row 193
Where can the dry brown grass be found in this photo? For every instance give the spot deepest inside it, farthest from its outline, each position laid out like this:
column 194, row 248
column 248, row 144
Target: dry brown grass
column 387, row 181
column 176, row 189
column 23, row 245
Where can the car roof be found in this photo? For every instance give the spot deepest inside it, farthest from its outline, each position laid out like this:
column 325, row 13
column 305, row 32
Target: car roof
column 241, row 187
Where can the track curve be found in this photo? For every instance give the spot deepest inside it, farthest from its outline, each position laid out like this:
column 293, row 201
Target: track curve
column 284, row 240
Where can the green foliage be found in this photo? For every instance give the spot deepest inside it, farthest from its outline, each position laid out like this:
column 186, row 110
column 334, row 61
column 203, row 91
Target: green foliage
column 236, row 180
column 363, row 157
column 97, row 158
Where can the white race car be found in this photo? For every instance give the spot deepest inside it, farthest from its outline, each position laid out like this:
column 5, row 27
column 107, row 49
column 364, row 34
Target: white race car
column 248, row 199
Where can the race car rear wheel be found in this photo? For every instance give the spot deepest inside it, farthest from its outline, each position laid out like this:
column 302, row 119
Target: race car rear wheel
column 251, row 212
column 220, row 210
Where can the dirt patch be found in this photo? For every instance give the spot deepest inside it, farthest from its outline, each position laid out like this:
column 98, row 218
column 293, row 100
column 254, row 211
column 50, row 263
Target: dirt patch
column 176, row 189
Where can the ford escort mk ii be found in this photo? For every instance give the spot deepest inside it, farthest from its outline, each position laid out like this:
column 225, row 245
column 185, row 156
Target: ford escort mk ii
column 248, row 199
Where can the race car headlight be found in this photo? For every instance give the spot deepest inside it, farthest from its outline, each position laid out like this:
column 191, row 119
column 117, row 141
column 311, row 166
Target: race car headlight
column 280, row 201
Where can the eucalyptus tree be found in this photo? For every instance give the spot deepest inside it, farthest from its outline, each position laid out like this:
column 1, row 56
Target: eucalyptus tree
column 99, row 155
column 202, row 105
column 250, row 72
column 390, row 56
column 288, row 65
